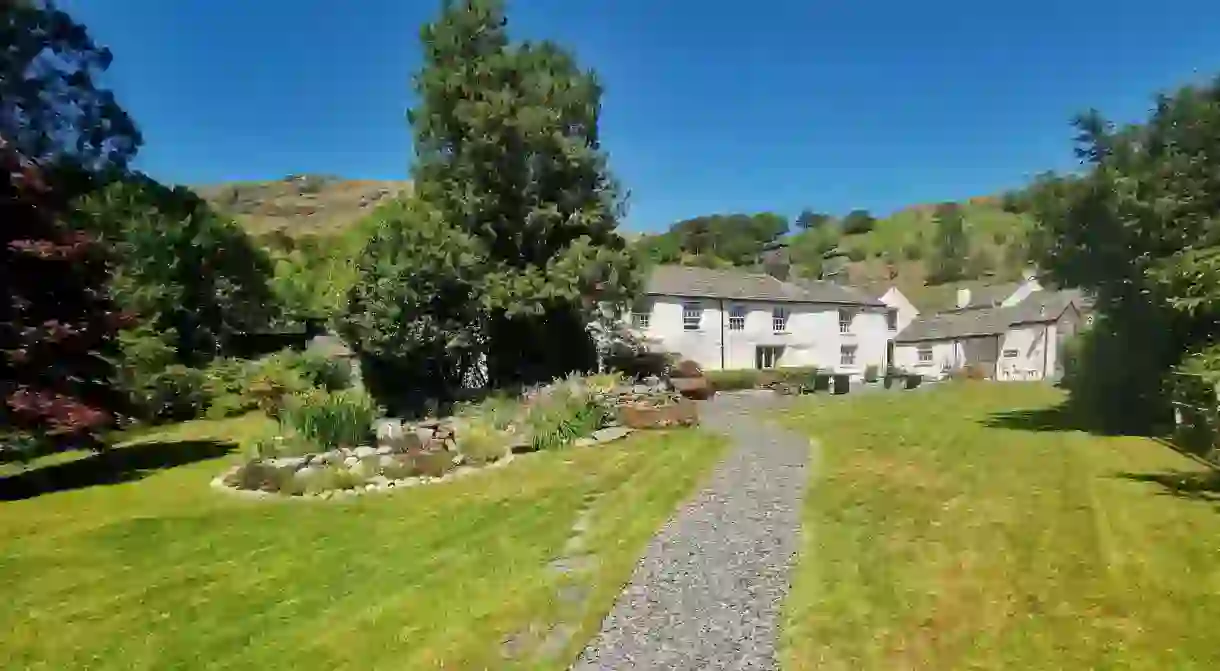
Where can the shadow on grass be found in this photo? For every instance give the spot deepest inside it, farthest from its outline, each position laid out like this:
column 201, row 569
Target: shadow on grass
column 115, row 466
column 1191, row 485
column 1050, row 418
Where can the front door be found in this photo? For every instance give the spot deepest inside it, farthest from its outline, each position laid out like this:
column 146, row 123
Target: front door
column 767, row 356
column 889, row 354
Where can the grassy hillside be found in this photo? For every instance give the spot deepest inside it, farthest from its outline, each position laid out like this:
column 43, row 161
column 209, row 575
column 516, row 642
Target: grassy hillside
column 301, row 204
column 896, row 252
column 899, row 250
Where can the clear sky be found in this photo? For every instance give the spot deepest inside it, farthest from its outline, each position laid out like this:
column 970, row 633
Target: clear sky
column 711, row 106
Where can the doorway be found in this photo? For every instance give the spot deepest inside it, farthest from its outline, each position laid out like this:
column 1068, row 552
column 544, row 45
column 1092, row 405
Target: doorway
column 767, row 356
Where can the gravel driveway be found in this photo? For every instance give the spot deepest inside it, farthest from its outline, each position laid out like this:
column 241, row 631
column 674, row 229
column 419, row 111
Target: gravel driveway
column 707, row 593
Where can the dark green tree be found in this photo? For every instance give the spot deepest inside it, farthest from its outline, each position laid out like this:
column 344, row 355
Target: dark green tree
column 857, row 222
column 52, row 110
column 180, row 266
column 1139, row 230
column 810, row 220
column 415, row 310
column 509, row 152
column 952, row 247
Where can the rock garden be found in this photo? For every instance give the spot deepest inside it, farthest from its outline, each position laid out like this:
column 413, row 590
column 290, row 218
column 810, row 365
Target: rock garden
column 336, row 444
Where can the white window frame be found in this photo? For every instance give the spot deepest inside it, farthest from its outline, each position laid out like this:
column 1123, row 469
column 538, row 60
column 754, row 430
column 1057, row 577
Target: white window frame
column 844, row 321
column 891, row 320
column 924, row 353
column 737, row 318
column 1011, row 353
column 847, row 355
column 779, row 319
column 692, row 316
column 641, row 320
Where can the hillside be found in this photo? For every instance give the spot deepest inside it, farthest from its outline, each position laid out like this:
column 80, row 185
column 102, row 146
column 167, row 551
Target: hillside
column 895, row 252
column 902, row 245
column 301, row 204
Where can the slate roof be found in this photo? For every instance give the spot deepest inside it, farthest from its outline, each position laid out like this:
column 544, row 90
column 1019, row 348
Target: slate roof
column 990, row 295
column 732, row 284
column 1038, row 307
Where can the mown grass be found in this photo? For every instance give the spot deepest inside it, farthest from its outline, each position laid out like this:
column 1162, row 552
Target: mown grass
column 969, row 527
column 153, row 570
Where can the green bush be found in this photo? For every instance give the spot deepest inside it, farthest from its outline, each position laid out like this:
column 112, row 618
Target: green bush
column 330, row 419
column 749, row 378
column 177, row 393
column 316, row 369
column 227, row 382
column 730, row 380
column 480, row 443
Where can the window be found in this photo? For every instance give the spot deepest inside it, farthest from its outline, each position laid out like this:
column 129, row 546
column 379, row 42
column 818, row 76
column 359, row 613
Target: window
column 737, row 318
column 779, row 320
column 847, row 355
column 692, row 316
column 925, row 354
column 844, row 321
column 767, row 356
column 641, row 320
column 1010, row 354
column 891, row 320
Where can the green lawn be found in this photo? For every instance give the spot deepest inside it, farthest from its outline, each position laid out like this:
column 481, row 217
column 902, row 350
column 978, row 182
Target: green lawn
column 161, row 572
column 966, row 527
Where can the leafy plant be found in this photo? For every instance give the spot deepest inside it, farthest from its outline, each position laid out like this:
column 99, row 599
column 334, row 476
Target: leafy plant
column 561, row 415
column 331, row 419
column 480, row 443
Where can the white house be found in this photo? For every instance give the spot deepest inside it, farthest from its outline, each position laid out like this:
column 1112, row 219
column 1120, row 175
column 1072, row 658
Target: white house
column 725, row 319
column 1013, row 332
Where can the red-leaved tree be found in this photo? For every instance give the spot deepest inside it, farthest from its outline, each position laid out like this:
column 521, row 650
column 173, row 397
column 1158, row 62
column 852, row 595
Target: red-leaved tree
column 57, row 325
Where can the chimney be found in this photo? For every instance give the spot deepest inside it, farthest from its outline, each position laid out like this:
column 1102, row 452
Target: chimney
column 963, row 298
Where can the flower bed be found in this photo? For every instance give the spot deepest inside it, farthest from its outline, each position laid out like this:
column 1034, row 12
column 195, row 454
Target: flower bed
column 575, row 411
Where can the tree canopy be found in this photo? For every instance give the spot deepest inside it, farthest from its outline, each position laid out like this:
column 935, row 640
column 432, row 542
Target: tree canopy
column 52, row 110
column 1139, row 229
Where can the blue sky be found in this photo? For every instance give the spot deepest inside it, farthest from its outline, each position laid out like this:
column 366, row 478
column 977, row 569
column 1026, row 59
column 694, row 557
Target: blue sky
column 711, row 106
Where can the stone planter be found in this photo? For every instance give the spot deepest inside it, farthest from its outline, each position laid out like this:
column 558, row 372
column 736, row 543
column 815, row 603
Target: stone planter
column 695, row 388
column 681, row 413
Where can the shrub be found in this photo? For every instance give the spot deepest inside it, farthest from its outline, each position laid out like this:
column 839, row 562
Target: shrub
column 480, row 443
column 562, row 414
column 331, row 419
column 316, row 369
column 500, row 410
column 177, row 393
column 871, row 372
column 263, row 477
column 857, row 254
column 728, row 380
column 227, row 382
column 639, row 365
column 912, row 251
column 796, row 374
column 433, row 464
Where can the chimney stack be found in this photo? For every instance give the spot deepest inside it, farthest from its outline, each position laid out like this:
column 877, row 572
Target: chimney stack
column 963, row 298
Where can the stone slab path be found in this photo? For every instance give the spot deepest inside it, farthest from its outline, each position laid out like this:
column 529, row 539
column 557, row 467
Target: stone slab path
column 708, row 591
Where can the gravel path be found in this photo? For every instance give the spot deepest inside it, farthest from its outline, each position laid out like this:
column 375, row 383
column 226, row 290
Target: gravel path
column 707, row 593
